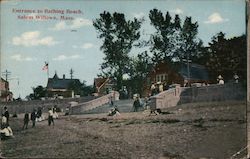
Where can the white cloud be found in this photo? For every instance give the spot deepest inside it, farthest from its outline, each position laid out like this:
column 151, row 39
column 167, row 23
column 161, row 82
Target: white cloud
column 87, row 45
column 79, row 22
column 138, row 15
column 18, row 57
column 177, row 11
column 64, row 57
column 74, row 24
column 215, row 18
column 33, row 38
column 60, row 26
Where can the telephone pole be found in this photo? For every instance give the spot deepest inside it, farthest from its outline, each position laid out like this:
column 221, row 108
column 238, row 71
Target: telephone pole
column 71, row 73
column 6, row 73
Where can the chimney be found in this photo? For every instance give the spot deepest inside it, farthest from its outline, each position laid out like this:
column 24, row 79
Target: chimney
column 63, row 76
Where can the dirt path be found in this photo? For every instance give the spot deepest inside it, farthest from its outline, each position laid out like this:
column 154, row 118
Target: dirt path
column 216, row 130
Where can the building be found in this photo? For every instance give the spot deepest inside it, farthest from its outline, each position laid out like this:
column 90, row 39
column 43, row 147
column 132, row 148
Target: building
column 176, row 74
column 103, row 85
column 5, row 93
column 195, row 74
column 61, row 86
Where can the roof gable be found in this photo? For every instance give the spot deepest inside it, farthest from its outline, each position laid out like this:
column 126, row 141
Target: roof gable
column 57, row 83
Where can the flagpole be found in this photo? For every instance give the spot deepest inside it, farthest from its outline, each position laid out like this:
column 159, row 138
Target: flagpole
column 48, row 71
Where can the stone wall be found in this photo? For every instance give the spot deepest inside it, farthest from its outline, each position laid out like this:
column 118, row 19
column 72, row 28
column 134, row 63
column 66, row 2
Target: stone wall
column 28, row 106
column 180, row 95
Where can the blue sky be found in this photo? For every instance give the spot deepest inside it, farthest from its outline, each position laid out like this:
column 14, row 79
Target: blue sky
column 66, row 44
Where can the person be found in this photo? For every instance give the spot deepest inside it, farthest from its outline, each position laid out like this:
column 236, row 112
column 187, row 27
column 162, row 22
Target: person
column 6, row 114
column 55, row 115
column 114, row 112
column 50, row 117
column 220, row 80
column 33, row 118
column 136, row 104
column 236, row 78
column 5, row 131
column 160, row 88
column 67, row 111
column 39, row 114
column 26, row 121
column 166, row 87
column 4, row 121
column 153, row 91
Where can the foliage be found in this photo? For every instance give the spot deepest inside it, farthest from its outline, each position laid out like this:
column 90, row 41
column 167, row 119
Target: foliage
column 190, row 45
column 173, row 41
column 140, row 67
column 76, row 86
column 81, row 88
column 227, row 56
column 161, row 46
column 118, row 36
column 38, row 92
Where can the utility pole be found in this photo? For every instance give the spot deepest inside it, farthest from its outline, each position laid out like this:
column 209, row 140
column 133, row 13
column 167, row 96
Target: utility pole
column 6, row 73
column 188, row 66
column 71, row 73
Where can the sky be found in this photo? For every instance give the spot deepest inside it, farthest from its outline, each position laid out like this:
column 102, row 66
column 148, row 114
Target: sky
column 27, row 41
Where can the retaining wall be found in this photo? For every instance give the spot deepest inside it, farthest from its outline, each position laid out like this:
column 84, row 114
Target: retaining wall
column 80, row 108
column 180, row 95
column 28, row 106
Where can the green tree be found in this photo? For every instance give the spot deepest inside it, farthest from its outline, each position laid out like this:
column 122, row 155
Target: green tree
column 38, row 92
column 161, row 40
column 172, row 41
column 118, row 36
column 190, row 46
column 76, row 86
column 227, row 56
column 140, row 67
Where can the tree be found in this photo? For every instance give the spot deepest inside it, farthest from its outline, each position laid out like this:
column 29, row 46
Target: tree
column 161, row 40
column 38, row 92
column 140, row 67
column 118, row 36
column 227, row 56
column 76, row 86
column 173, row 41
column 190, row 45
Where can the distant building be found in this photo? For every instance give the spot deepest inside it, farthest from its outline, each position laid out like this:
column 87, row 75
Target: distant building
column 103, row 85
column 5, row 93
column 61, row 86
column 167, row 75
column 197, row 74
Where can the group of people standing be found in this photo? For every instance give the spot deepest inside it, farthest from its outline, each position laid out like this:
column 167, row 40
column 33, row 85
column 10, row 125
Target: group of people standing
column 220, row 79
column 158, row 88
column 37, row 116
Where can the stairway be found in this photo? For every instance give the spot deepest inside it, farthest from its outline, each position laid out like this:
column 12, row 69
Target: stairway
column 122, row 105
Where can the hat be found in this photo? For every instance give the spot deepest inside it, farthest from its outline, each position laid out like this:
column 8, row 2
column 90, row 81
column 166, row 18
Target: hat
column 220, row 77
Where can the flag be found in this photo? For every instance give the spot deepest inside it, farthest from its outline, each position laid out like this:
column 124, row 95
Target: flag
column 46, row 66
